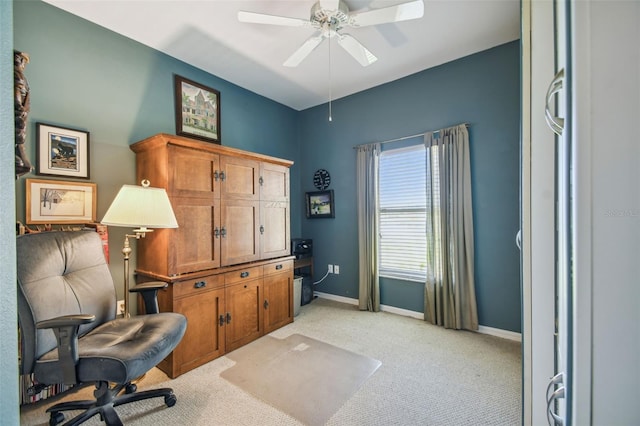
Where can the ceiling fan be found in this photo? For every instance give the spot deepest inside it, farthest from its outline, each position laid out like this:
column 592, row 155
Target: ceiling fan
column 328, row 17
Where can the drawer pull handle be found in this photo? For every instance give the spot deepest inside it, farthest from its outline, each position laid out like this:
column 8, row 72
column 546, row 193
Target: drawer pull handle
column 278, row 267
column 244, row 274
column 200, row 284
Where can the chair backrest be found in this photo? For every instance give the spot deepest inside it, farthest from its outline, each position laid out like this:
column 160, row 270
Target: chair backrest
column 60, row 273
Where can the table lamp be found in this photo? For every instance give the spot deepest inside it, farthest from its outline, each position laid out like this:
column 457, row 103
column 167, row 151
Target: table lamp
column 140, row 207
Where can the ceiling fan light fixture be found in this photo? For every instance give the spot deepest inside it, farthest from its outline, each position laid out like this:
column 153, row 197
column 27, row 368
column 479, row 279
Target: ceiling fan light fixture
column 329, row 17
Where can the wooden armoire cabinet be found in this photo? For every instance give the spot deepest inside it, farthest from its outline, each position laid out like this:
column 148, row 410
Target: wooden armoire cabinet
column 228, row 263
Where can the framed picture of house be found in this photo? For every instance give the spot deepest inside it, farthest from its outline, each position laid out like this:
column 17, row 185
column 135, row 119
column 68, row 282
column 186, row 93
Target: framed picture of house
column 60, row 202
column 197, row 110
column 62, row 151
column 320, row 204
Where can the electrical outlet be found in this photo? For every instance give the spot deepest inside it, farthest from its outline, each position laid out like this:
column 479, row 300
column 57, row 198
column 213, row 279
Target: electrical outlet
column 120, row 309
column 330, row 269
column 336, row 269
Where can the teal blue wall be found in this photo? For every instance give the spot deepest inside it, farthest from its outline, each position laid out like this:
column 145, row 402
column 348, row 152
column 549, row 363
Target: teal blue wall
column 87, row 77
column 482, row 90
column 84, row 76
column 8, row 298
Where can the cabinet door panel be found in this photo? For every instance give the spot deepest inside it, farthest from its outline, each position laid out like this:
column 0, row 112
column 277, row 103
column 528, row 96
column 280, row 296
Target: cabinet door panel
column 193, row 173
column 278, row 301
column 274, row 230
column 240, row 178
column 245, row 316
column 205, row 338
column 274, row 182
column 195, row 245
column 241, row 242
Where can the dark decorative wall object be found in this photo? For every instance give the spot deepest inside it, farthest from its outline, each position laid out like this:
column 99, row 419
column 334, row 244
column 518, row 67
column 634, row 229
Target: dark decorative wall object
column 21, row 107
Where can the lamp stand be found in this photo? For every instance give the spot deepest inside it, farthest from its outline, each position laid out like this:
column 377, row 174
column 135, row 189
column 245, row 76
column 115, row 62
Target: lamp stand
column 126, row 251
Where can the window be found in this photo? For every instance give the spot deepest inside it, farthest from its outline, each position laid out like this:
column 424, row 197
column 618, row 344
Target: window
column 402, row 205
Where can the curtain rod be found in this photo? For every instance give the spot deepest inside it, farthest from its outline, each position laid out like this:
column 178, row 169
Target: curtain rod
column 410, row 137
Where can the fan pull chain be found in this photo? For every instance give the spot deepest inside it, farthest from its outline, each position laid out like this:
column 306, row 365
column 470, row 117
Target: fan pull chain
column 330, row 118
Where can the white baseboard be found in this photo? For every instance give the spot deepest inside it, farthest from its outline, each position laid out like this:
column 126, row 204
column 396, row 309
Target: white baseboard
column 335, row 298
column 505, row 334
column 498, row 332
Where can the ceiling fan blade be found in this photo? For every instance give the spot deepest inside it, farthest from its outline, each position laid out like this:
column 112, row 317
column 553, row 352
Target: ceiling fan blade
column 357, row 50
column 303, row 51
column 401, row 12
column 261, row 18
column 329, row 4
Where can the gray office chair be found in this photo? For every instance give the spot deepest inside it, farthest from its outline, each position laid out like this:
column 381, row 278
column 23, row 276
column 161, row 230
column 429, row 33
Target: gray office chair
column 69, row 330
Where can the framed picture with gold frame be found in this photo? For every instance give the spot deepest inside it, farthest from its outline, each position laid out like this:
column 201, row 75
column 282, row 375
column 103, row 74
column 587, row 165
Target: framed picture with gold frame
column 60, row 202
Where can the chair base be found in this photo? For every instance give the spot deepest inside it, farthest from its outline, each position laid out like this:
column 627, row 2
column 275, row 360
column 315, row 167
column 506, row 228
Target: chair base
column 106, row 399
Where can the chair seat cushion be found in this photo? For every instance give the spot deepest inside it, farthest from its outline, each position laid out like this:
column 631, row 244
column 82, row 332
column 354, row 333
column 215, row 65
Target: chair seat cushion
column 120, row 350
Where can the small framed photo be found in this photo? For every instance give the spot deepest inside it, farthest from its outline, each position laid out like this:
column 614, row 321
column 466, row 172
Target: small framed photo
column 60, row 202
column 320, row 204
column 62, row 151
column 197, row 110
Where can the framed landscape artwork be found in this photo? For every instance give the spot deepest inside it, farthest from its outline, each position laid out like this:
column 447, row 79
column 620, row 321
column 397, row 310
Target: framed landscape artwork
column 60, row 202
column 320, row 204
column 197, row 110
column 62, row 151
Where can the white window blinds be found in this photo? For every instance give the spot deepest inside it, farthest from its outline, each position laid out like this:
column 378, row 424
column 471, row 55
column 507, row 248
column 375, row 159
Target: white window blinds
column 402, row 213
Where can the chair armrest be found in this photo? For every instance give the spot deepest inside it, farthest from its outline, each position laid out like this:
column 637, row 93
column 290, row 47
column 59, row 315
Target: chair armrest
column 65, row 329
column 149, row 293
column 66, row 321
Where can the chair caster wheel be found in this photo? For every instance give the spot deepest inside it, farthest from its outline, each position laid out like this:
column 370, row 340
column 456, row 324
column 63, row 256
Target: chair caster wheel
column 56, row 418
column 130, row 388
column 170, row 400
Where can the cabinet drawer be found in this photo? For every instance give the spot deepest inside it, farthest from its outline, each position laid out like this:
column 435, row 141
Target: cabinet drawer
column 198, row 285
column 278, row 267
column 243, row 275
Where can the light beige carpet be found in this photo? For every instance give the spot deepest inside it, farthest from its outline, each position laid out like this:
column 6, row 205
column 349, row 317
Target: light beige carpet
column 306, row 378
column 429, row 376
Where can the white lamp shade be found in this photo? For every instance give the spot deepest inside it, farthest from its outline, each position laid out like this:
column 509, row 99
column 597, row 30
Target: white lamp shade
column 141, row 206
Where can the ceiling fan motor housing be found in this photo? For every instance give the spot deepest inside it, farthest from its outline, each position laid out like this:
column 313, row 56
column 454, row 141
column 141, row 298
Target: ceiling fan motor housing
column 330, row 19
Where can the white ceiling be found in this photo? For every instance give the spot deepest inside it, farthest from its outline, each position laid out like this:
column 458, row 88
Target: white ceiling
column 207, row 35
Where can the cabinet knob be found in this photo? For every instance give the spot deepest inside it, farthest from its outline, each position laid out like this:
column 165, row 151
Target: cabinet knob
column 200, row 284
column 278, row 267
column 262, row 229
column 228, row 317
column 221, row 320
column 216, row 232
column 261, row 181
column 266, row 303
column 223, row 232
column 244, row 274
column 215, row 175
column 223, row 177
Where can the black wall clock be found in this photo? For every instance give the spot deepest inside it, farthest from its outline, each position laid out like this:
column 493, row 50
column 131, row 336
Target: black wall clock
column 321, row 179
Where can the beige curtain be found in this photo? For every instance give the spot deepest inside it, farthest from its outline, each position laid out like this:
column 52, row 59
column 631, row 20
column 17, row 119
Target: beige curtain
column 450, row 298
column 367, row 184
